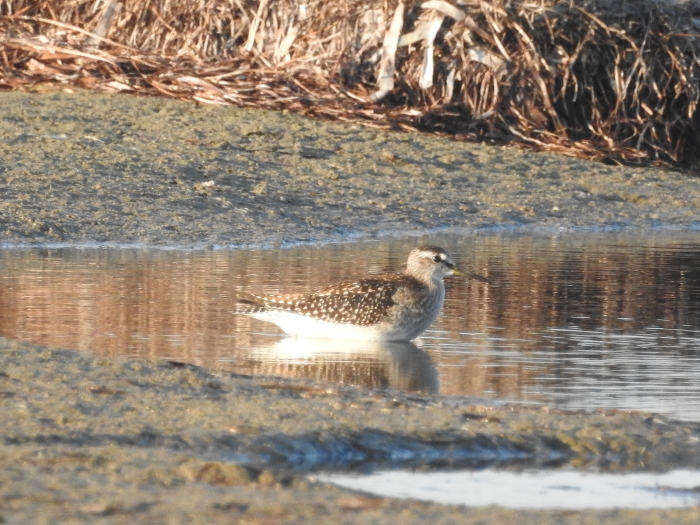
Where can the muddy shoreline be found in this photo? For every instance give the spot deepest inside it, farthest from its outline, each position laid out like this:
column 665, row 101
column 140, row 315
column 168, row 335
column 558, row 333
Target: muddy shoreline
column 93, row 440
column 88, row 168
column 90, row 439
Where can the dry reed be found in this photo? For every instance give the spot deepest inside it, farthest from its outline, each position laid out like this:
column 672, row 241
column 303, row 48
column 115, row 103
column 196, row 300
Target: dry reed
column 617, row 81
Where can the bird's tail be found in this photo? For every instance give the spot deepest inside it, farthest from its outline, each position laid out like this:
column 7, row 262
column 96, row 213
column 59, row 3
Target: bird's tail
column 248, row 303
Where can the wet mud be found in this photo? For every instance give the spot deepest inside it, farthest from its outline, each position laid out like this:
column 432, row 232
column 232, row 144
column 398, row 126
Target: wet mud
column 83, row 167
column 88, row 439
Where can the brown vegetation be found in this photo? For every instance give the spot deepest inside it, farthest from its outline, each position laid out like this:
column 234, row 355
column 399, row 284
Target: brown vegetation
column 603, row 80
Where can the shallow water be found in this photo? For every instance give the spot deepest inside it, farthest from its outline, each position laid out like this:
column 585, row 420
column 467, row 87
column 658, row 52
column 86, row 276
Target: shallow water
column 532, row 489
column 577, row 321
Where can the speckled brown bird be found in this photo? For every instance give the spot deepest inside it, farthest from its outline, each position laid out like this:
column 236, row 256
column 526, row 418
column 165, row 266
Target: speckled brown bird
column 390, row 307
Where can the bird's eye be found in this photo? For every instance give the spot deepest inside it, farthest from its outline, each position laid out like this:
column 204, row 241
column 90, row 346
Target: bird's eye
column 437, row 259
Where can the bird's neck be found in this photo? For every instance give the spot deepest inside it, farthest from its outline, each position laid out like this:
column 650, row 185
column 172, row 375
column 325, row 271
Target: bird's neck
column 432, row 283
column 438, row 284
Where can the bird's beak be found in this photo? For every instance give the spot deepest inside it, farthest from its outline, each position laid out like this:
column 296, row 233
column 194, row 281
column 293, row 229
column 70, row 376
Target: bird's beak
column 471, row 275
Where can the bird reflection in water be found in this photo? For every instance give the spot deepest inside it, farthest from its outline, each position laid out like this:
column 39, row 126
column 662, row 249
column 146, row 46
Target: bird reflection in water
column 367, row 364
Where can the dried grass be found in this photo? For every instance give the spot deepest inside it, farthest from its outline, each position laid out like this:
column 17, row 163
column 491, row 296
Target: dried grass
column 609, row 80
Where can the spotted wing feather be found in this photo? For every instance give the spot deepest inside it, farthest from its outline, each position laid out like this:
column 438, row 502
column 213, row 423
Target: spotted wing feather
column 362, row 303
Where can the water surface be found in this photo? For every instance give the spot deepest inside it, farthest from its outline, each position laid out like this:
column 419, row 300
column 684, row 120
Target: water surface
column 577, row 321
column 571, row 490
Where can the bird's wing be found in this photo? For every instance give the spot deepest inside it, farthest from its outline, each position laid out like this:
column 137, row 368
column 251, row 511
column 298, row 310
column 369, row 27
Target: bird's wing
column 362, row 303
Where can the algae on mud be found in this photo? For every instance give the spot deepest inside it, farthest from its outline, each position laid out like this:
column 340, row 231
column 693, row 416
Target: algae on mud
column 80, row 168
column 90, row 439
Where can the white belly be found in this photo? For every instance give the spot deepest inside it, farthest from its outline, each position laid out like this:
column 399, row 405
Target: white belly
column 304, row 326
